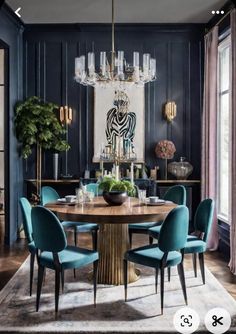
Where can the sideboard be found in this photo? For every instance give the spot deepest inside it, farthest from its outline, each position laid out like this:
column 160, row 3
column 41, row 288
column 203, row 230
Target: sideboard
column 63, row 187
column 68, row 186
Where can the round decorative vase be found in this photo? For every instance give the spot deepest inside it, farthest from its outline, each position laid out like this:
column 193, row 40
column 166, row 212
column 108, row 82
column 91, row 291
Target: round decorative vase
column 181, row 169
column 115, row 197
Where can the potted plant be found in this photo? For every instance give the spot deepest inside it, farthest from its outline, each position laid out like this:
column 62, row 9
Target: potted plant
column 37, row 126
column 116, row 192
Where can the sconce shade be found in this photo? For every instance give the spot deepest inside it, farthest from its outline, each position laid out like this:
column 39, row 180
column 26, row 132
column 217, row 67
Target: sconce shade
column 66, row 115
column 170, row 111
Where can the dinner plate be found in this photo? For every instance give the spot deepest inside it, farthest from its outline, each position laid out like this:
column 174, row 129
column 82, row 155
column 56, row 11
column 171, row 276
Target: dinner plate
column 155, row 204
column 63, row 201
column 158, row 202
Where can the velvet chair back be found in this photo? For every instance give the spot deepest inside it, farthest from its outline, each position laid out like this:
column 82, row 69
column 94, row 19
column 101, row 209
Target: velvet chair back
column 174, row 230
column 48, row 232
column 93, row 187
column 176, row 194
column 26, row 215
column 48, row 194
column 203, row 217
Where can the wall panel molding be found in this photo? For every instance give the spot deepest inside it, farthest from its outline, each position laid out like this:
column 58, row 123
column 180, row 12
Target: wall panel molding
column 179, row 69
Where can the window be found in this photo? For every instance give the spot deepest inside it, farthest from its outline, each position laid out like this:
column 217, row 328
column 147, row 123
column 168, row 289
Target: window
column 223, row 121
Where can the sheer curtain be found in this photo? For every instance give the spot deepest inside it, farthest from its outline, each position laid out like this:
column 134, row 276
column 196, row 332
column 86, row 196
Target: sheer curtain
column 232, row 263
column 209, row 127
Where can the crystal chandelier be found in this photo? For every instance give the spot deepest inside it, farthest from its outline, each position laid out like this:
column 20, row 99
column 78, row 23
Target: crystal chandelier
column 114, row 69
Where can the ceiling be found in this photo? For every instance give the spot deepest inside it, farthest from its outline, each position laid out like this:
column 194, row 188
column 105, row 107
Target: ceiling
column 126, row 11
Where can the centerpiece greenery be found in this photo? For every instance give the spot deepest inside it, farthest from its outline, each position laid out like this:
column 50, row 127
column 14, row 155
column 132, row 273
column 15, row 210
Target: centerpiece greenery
column 109, row 184
column 37, row 126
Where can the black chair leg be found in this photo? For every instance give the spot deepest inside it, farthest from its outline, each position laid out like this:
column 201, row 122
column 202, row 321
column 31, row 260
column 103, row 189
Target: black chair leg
column 39, row 285
column 180, row 268
column 169, row 273
column 94, row 239
column 95, row 277
column 75, row 241
column 57, row 288
column 125, row 269
column 150, row 240
column 156, row 279
column 62, row 280
column 130, row 239
column 194, row 256
column 202, row 268
column 32, row 257
column 162, row 289
column 75, row 236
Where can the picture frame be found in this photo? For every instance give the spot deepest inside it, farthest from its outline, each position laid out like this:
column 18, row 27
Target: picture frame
column 104, row 98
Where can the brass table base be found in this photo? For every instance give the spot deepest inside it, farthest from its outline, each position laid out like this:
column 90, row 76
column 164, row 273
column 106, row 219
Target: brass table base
column 113, row 243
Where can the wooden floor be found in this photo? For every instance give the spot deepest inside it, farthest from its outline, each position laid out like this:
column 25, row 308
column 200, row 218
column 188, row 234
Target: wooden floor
column 12, row 257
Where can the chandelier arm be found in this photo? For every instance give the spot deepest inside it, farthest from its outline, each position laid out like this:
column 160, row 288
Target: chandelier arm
column 114, row 69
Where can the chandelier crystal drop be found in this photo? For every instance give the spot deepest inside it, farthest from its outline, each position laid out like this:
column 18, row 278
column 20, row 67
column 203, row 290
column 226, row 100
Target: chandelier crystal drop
column 113, row 68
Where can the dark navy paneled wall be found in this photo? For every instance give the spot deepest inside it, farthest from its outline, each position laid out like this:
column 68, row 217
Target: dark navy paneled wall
column 11, row 30
column 49, row 52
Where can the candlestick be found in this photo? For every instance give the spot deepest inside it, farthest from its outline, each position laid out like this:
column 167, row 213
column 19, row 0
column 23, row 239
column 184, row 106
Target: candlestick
column 117, row 172
column 132, row 172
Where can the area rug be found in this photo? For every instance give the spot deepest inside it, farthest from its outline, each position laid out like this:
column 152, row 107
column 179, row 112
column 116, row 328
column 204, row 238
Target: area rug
column 141, row 314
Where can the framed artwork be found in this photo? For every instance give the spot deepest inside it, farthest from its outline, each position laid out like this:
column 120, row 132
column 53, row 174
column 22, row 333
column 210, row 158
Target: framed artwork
column 119, row 114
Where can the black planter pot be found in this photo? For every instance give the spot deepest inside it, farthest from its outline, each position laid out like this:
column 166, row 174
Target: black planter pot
column 115, row 197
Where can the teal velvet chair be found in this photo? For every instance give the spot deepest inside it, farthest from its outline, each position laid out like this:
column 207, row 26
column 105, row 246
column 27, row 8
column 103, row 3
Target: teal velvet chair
column 53, row 252
column 48, row 194
column 94, row 187
column 176, row 194
column 168, row 253
column 27, row 224
column 197, row 243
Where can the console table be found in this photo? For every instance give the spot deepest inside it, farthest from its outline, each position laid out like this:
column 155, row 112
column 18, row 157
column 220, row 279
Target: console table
column 63, row 187
column 68, row 186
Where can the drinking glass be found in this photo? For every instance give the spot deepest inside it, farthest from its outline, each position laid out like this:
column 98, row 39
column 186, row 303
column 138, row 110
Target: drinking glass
column 142, row 196
column 79, row 195
column 89, row 196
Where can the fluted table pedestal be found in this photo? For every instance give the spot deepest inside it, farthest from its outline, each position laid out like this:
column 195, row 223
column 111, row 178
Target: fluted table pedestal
column 113, row 231
column 113, row 243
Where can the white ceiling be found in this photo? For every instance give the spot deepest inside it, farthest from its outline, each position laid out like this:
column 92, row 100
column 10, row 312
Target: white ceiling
column 126, row 11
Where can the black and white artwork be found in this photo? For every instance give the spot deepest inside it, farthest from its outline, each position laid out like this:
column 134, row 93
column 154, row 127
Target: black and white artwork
column 119, row 120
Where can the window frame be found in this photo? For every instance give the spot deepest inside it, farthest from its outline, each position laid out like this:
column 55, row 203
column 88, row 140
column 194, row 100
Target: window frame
column 226, row 42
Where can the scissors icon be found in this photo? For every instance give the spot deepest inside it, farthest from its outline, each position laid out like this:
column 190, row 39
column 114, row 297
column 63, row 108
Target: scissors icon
column 216, row 321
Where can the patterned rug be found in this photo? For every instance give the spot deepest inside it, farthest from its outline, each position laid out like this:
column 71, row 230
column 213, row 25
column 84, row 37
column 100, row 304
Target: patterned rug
column 141, row 314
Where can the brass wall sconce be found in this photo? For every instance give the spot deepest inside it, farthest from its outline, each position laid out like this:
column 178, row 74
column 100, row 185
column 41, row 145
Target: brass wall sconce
column 170, row 111
column 66, row 115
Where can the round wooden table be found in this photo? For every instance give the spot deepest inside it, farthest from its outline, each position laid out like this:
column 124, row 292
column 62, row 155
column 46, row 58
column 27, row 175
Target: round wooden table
column 113, row 230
